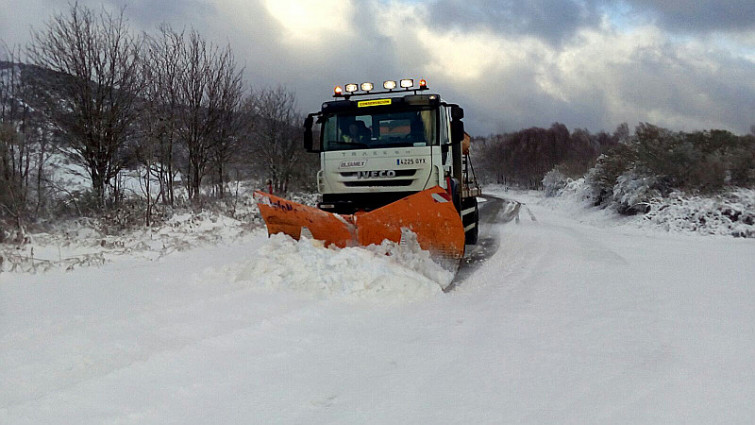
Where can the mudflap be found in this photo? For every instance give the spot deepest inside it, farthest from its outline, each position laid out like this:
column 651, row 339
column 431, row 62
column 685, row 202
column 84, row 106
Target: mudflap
column 429, row 214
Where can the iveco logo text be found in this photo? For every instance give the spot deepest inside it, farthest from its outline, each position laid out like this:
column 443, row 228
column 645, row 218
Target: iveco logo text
column 376, row 174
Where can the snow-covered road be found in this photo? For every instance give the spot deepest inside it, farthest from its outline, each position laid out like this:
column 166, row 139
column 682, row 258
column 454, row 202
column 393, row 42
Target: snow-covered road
column 568, row 323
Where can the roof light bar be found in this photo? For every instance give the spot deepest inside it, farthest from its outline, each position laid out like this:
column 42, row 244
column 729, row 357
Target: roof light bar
column 367, row 87
column 389, row 85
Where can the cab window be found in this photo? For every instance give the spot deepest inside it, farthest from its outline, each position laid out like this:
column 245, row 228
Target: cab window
column 380, row 130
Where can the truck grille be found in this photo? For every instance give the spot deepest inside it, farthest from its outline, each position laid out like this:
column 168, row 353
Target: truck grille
column 373, row 183
column 398, row 178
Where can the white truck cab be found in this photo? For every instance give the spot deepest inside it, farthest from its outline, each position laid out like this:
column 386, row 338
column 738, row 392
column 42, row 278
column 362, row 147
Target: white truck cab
column 378, row 150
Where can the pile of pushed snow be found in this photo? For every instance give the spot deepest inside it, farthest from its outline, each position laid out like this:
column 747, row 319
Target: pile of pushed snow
column 390, row 270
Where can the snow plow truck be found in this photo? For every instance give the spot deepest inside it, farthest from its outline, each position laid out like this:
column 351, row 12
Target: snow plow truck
column 394, row 164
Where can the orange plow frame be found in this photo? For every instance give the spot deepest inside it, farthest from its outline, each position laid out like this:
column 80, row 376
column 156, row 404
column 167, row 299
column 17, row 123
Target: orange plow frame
column 430, row 214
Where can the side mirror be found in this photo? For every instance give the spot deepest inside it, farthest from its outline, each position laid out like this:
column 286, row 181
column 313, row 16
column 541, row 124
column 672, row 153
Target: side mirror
column 308, row 139
column 457, row 112
column 457, row 131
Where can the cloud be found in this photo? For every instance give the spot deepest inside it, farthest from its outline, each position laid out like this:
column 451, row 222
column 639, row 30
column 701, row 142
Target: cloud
column 320, row 47
column 306, row 21
column 549, row 20
column 694, row 16
column 586, row 63
column 18, row 16
column 600, row 77
column 646, row 76
column 145, row 14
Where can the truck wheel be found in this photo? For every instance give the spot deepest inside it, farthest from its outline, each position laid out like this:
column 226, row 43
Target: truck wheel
column 471, row 235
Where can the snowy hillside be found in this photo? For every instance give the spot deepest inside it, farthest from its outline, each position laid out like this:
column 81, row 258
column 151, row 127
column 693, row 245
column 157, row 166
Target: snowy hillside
column 576, row 319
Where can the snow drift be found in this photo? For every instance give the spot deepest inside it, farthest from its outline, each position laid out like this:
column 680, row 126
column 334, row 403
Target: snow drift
column 386, row 270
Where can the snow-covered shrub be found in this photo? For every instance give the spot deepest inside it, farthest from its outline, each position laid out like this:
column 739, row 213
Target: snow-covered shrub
column 603, row 177
column 577, row 194
column 702, row 161
column 554, row 181
column 729, row 214
column 632, row 193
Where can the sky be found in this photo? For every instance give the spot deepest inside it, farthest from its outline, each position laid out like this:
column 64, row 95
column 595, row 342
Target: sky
column 685, row 65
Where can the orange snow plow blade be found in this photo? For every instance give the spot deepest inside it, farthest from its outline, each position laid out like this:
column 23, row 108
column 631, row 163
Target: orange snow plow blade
column 282, row 216
column 429, row 214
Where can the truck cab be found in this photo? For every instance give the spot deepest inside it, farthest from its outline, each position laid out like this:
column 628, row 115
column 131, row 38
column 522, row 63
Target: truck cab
column 387, row 145
column 378, row 150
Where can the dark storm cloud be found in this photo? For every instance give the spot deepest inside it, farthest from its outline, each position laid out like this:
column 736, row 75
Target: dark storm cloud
column 149, row 14
column 556, row 20
column 552, row 20
column 700, row 15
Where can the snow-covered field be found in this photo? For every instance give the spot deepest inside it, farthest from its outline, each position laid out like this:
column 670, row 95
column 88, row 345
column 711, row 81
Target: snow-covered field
column 580, row 317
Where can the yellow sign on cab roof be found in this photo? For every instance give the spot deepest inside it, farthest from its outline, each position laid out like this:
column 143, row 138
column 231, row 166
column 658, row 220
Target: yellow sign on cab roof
column 374, row 102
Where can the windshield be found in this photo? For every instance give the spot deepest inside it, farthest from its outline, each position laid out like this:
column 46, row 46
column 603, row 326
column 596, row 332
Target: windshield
column 368, row 129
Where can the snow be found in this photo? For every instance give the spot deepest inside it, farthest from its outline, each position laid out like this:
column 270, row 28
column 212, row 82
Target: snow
column 388, row 271
column 730, row 213
column 580, row 317
column 82, row 242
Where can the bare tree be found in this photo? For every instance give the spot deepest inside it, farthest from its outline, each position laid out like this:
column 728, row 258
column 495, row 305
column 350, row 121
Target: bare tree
column 209, row 93
column 98, row 59
column 276, row 139
column 147, row 147
column 162, row 69
column 193, row 129
column 18, row 155
column 12, row 193
column 490, row 151
column 224, row 96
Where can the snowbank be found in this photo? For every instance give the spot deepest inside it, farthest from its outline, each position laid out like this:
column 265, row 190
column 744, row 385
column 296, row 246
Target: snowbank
column 729, row 214
column 82, row 242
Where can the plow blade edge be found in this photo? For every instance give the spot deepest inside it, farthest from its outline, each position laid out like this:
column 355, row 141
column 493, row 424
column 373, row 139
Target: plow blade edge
column 429, row 214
